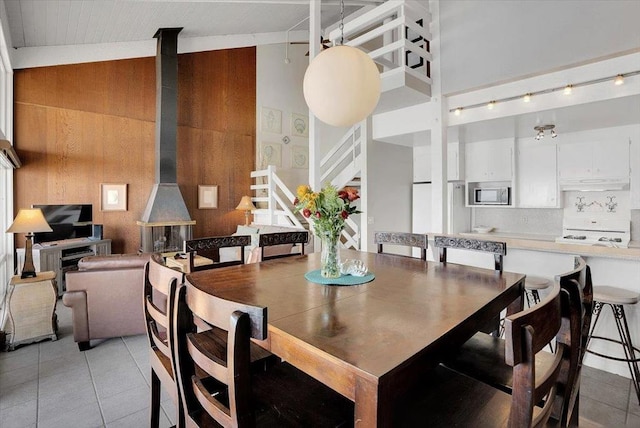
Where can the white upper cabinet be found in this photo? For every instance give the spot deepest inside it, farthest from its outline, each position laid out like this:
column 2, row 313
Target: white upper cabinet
column 594, row 160
column 422, row 162
column 489, row 160
column 455, row 162
column 537, row 174
column 634, row 187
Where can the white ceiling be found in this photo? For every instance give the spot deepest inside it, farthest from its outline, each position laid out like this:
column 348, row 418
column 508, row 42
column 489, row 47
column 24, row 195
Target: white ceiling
column 483, row 42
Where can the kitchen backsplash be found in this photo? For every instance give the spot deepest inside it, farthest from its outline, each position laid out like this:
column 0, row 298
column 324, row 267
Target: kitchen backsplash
column 549, row 221
column 521, row 220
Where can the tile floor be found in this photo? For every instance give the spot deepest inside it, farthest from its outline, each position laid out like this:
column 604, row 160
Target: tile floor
column 52, row 384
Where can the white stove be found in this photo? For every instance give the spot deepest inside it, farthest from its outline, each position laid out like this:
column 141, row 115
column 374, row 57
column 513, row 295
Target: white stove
column 604, row 232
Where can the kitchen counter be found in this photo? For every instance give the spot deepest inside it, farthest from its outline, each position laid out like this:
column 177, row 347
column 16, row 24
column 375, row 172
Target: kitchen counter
column 547, row 243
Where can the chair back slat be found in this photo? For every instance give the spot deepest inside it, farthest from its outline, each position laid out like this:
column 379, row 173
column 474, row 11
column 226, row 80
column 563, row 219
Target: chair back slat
column 160, row 284
column 526, row 333
column 210, row 247
column 497, row 248
column 573, row 334
column 298, row 237
column 231, row 406
column 404, row 239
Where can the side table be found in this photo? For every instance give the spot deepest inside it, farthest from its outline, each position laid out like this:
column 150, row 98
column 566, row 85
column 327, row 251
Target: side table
column 32, row 309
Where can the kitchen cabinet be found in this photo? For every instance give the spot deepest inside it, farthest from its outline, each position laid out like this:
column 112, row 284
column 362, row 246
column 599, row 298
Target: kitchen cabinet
column 63, row 256
column 422, row 162
column 634, row 188
column 537, row 175
column 593, row 160
column 489, row 161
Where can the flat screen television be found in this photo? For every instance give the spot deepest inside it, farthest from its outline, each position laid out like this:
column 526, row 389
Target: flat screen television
column 67, row 222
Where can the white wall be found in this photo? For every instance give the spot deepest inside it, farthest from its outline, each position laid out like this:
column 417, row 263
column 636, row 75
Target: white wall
column 390, row 171
column 279, row 87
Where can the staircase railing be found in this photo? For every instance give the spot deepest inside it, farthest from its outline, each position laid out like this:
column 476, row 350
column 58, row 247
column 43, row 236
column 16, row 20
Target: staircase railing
column 278, row 199
column 342, row 163
column 274, row 202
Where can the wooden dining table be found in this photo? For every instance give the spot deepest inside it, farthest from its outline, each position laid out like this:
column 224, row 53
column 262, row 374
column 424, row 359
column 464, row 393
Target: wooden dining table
column 369, row 342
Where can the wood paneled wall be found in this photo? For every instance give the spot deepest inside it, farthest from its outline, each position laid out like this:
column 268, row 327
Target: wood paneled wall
column 77, row 126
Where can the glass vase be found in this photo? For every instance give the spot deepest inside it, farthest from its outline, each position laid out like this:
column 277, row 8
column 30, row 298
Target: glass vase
column 330, row 257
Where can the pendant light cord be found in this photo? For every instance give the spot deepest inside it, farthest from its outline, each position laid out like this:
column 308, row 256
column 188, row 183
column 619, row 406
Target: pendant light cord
column 341, row 22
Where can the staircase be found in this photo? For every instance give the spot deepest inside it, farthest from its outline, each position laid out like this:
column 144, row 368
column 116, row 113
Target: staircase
column 396, row 36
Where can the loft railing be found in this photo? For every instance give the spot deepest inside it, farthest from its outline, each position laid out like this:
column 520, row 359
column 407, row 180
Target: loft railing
column 396, row 36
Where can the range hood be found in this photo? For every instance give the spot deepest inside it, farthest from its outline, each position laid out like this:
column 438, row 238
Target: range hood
column 594, row 184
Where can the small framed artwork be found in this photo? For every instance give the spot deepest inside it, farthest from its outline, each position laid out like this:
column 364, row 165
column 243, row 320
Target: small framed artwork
column 207, row 197
column 113, row 197
column 272, row 154
column 299, row 125
column 271, row 120
column 300, row 157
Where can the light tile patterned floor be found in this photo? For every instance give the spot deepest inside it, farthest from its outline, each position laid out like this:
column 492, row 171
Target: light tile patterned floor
column 52, row 384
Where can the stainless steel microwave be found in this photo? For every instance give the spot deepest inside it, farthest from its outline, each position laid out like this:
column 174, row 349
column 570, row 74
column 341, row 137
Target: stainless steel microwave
column 491, row 195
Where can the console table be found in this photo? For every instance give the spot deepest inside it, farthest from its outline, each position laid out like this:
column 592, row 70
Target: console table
column 32, row 309
column 62, row 256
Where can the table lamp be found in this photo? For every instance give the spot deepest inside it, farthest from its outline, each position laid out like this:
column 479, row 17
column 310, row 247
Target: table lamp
column 246, row 205
column 29, row 221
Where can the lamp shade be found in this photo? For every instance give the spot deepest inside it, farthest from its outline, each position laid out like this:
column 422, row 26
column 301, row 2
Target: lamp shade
column 246, row 204
column 29, row 220
column 342, row 86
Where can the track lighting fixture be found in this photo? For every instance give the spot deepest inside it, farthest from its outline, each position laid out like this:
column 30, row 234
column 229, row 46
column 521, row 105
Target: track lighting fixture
column 567, row 89
column 541, row 128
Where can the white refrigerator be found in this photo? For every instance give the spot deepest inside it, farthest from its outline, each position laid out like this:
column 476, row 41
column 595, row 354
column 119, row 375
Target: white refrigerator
column 459, row 216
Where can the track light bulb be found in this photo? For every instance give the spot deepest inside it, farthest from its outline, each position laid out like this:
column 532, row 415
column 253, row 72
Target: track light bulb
column 568, row 89
column 491, row 105
column 553, row 134
column 619, row 80
column 526, row 98
column 457, row 111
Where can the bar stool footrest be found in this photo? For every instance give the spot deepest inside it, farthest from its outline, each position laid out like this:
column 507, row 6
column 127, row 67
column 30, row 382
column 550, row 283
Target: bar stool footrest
column 609, row 357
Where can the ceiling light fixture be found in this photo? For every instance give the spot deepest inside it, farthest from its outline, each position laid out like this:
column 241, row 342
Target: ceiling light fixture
column 568, row 89
column 457, row 111
column 540, row 131
column 617, row 78
column 342, row 84
column 491, row 105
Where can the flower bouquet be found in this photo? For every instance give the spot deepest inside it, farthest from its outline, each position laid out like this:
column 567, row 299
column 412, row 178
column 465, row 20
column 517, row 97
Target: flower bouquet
column 327, row 211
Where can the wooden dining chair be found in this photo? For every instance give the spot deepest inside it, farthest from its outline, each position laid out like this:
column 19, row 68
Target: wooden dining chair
column 299, row 237
column 210, row 248
column 160, row 283
column 215, row 381
column 445, row 398
column 497, row 248
column 483, row 357
column 415, row 240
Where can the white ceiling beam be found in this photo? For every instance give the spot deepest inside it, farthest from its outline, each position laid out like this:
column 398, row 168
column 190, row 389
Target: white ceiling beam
column 43, row 56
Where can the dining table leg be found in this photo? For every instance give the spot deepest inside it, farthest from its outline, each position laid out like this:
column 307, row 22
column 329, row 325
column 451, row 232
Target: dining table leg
column 373, row 404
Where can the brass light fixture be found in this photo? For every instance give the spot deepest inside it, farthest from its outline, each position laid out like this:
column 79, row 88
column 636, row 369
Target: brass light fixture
column 29, row 221
column 247, row 206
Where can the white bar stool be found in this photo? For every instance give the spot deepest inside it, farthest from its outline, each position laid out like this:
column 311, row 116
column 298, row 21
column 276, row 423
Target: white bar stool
column 532, row 286
column 616, row 298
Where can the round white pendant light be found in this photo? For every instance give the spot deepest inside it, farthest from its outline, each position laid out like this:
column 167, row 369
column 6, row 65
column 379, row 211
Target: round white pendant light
column 342, row 86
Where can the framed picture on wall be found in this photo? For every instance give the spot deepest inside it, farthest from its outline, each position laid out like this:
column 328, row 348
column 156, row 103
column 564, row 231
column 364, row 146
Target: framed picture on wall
column 271, row 120
column 299, row 125
column 271, row 154
column 300, row 157
column 113, row 197
column 207, row 197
